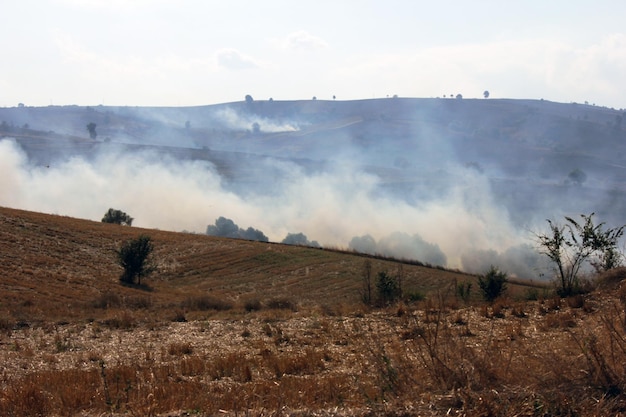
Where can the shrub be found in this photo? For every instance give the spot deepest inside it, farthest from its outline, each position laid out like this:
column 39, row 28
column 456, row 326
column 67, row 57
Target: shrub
column 281, row 304
column 253, row 304
column 414, row 296
column 117, row 217
column 388, row 289
column 463, row 290
column 133, row 257
column 206, row 302
column 492, row 284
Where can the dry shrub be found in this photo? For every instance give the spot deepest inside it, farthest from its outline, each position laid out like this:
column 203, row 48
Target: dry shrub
column 517, row 310
column 282, row 304
column 6, row 324
column 25, row 399
column 553, row 304
column 252, row 304
column 234, row 365
column 121, row 320
column 107, row 299
column 205, row 303
column 178, row 316
column 497, row 308
column 308, row 362
column 192, row 366
column 611, row 279
column 575, row 301
column 138, row 302
column 558, row 320
column 62, row 392
column 180, row 348
column 267, row 329
column 604, row 351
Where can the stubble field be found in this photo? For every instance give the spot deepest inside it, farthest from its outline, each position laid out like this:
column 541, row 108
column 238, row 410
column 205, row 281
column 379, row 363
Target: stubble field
column 228, row 327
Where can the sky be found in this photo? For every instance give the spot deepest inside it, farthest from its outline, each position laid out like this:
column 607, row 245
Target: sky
column 198, row 52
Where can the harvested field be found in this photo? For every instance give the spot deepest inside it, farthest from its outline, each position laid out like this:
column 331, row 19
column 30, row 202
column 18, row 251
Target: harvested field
column 228, row 327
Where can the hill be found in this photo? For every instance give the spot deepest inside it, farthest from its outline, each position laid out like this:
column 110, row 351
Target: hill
column 58, row 268
column 74, row 341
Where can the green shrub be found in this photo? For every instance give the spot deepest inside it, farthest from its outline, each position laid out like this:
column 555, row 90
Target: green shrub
column 492, row 284
column 133, row 257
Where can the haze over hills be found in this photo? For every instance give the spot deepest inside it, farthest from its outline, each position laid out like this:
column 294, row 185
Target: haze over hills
column 453, row 182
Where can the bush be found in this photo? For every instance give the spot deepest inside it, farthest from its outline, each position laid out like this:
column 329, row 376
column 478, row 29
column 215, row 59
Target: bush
column 117, row 217
column 388, row 288
column 206, row 302
column 252, row 304
column 133, row 257
column 464, row 290
column 282, row 304
column 414, row 296
column 492, row 284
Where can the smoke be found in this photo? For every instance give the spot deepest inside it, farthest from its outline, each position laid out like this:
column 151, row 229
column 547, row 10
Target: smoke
column 234, row 120
column 400, row 245
column 330, row 206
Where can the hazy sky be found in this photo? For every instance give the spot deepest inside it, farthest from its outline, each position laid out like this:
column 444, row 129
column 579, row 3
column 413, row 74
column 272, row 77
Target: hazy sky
column 193, row 52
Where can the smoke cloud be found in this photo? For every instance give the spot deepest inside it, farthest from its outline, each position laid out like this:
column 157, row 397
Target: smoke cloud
column 331, row 207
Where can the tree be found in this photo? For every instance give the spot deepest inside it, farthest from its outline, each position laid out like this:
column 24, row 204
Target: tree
column 299, row 239
column 459, row 96
column 569, row 246
column 91, row 128
column 492, row 284
column 133, row 257
column 486, row 94
column 117, row 217
column 227, row 228
column 249, row 99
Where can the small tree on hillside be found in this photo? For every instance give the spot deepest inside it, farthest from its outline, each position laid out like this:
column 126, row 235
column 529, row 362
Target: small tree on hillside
column 117, row 217
column 133, row 257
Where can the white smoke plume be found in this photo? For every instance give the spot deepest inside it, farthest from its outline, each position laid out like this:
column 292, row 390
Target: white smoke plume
column 330, row 207
column 234, row 120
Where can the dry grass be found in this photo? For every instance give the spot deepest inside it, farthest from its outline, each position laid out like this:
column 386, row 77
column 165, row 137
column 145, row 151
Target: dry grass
column 203, row 342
